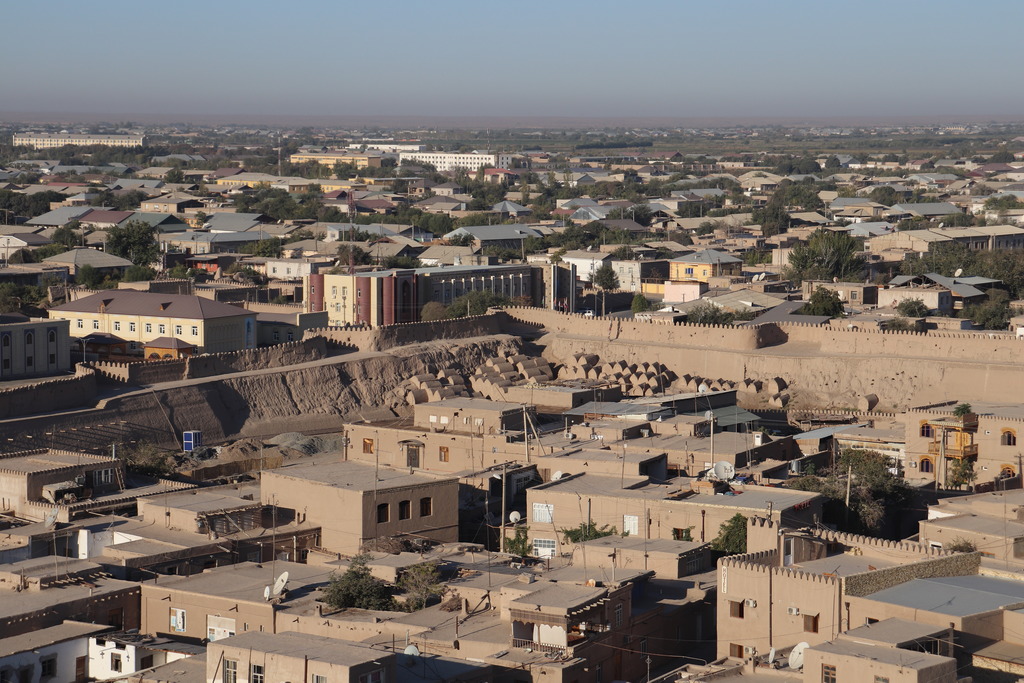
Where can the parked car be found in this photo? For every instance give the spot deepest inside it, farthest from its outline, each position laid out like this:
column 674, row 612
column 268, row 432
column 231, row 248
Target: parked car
column 587, row 312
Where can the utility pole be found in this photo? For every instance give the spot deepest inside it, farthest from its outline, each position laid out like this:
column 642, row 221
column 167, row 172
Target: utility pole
column 501, row 539
column 849, row 481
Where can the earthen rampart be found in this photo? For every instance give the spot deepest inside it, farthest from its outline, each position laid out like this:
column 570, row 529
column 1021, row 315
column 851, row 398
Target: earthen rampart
column 54, row 394
column 402, row 334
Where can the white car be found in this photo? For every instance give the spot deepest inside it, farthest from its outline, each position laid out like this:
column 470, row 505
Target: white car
column 587, row 312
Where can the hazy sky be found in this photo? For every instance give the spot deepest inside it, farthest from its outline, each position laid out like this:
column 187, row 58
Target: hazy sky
column 673, row 58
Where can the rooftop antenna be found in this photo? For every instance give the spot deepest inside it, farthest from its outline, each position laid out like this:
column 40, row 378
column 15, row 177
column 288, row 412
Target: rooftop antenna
column 796, row 657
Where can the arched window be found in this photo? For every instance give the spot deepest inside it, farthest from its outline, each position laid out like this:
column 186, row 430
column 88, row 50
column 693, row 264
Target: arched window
column 30, row 339
column 52, row 337
column 926, row 430
column 1009, row 438
column 7, row 341
column 926, row 465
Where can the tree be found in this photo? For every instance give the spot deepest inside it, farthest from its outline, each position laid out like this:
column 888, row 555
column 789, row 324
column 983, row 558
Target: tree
column 826, row 255
column 520, row 543
column 640, row 303
column 912, row 308
column 138, row 274
column 350, row 253
column 732, row 536
column 476, row 303
column 900, row 324
column 146, row 458
column 433, row 310
column 605, row 278
column 962, row 410
column 960, row 473
column 175, row 175
column 358, row 588
column 268, row 248
column 88, row 277
column 67, row 235
column 823, row 302
column 707, row 313
column 421, row 582
column 135, row 241
column 993, row 314
column 587, row 531
column 960, row 545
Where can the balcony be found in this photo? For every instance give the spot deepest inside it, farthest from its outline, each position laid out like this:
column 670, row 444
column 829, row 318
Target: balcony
column 954, row 451
column 526, row 644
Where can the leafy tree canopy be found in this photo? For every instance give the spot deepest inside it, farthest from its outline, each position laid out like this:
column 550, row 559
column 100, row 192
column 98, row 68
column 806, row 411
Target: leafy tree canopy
column 732, row 536
column 826, row 255
column 358, row 588
column 135, row 241
column 823, row 302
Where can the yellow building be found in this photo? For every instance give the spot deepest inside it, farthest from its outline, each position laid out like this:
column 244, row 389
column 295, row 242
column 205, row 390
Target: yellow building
column 357, row 159
column 703, row 265
column 141, row 317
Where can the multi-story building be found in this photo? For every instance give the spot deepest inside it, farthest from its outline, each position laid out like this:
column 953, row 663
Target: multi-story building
column 51, row 140
column 33, row 348
column 140, row 317
column 34, row 483
column 386, row 297
column 344, row 156
column 453, row 161
column 355, row 503
column 703, row 265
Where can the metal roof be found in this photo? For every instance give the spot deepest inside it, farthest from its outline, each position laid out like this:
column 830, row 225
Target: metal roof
column 954, row 595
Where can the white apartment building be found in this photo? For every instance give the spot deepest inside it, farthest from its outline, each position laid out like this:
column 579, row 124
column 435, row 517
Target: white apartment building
column 451, row 161
column 51, row 140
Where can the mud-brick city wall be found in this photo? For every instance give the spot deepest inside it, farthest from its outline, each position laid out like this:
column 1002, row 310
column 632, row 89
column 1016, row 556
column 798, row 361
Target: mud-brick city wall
column 45, row 396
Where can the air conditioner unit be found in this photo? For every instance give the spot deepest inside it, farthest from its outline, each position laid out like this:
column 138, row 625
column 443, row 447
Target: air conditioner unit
column 751, row 602
column 913, row 464
column 794, row 611
column 748, row 651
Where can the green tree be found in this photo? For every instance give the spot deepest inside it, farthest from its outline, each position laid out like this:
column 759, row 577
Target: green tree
column 912, row 308
column 358, row 588
column 135, row 241
column 732, row 536
column 823, row 302
column 640, row 303
column 605, row 278
column 826, row 255
column 138, row 274
column 960, row 473
column 433, row 310
column 175, row 175
column 268, row 248
column 707, row 313
column 67, row 235
column 993, row 314
column 421, row 582
column 900, row 324
column 88, row 277
column 351, row 253
column 587, row 531
column 520, row 543
column 962, row 410
column 476, row 303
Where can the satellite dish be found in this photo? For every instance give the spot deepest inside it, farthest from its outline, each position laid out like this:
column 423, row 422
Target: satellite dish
column 703, row 388
column 835, row 279
column 557, row 475
column 708, row 415
column 796, row 657
column 724, row 470
column 959, row 272
column 514, row 517
column 411, row 650
column 266, row 593
column 771, row 656
column 280, row 584
column 51, row 518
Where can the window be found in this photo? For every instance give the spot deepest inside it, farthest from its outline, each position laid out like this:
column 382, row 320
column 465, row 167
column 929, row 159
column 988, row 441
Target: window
column 631, row 525
column 117, row 326
column 689, row 271
column 618, row 614
column 543, row 512
column 78, row 323
column 372, row 677
column 95, row 324
column 146, row 662
column 426, row 507
column 736, row 609
column 368, row 446
column 149, row 327
column 881, row 679
column 163, row 329
column 277, row 335
column 442, row 453
column 177, row 620
column 404, row 509
column 643, row 646
column 177, row 329
column 334, row 291
column 102, row 477
column 544, row 547
column 317, row 678
column 131, row 327
column 926, row 465
column 735, row 650
column 383, row 513
column 256, row 674
column 828, row 673
column 1008, row 438
column 195, row 330
column 810, row 623
column 115, row 661
column 682, row 534
column 926, row 430
column 48, row 667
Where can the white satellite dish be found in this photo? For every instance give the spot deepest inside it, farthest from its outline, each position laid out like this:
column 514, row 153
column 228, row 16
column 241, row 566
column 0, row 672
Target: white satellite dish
column 514, row 517
column 411, row 650
column 708, row 415
column 724, row 470
column 835, row 279
column 703, row 388
column 771, row 656
column 557, row 475
column 266, row 593
column 959, row 272
column 796, row 657
column 280, row 584
column 51, row 518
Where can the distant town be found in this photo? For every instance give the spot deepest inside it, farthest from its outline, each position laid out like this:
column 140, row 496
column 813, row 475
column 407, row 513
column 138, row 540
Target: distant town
column 517, row 405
